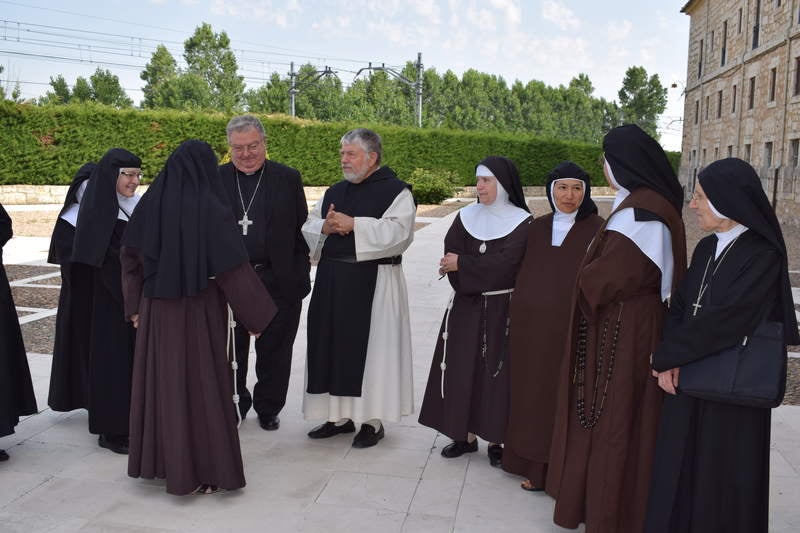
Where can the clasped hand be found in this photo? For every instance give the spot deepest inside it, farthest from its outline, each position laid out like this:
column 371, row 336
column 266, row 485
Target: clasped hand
column 336, row 222
column 448, row 263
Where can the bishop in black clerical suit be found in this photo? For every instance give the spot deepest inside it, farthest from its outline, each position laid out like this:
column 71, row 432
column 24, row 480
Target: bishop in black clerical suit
column 16, row 390
column 270, row 207
column 711, row 466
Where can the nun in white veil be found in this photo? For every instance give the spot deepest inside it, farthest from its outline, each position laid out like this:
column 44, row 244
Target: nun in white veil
column 467, row 395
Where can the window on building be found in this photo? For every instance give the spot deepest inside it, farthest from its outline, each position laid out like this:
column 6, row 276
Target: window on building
column 795, row 150
column 751, row 98
column 739, row 30
column 730, row 150
column 703, row 161
column 747, row 152
column 756, row 24
column 694, row 155
column 700, row 61
column 768, row 154
column 696, row 111
column 724, row 52
column 712, row 42
column 716, row 153
column 778, row 2
column 773, row 78
column 708, row 99
column 733, row 100
column 796, row 76
column 719, row 104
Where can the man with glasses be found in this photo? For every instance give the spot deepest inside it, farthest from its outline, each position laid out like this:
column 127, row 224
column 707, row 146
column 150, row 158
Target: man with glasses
column 270, row 207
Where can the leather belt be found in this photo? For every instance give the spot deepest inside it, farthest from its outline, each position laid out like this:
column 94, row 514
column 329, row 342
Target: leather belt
column 394, row 260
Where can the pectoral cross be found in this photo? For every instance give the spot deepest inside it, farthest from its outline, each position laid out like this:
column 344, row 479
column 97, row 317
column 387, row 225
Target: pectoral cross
column 244, row 223
column 696, row 307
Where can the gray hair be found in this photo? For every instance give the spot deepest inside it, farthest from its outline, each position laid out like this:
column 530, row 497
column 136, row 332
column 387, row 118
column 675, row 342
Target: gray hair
column 244, row 122
column 368, row 140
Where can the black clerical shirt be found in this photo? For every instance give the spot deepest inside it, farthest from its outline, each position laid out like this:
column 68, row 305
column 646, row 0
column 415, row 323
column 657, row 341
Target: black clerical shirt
column 256, row 239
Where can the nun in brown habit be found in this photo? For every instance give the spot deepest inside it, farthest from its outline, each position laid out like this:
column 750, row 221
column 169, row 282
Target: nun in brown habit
column 608, row 403
column 467, row 391
column 540, row 313
column 183, row 259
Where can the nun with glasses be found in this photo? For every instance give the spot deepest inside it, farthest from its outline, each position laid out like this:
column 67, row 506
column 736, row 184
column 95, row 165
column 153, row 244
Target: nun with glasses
column 105, row 208
column 540, row 314
column 711, row 468
column 183, row 263
column 467, row 394
column 608, row 403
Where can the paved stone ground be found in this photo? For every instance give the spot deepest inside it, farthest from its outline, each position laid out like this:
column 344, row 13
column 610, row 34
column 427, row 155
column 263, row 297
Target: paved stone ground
column 59, row 480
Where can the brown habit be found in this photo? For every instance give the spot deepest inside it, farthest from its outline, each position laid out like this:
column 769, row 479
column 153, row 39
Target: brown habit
column 183, row 420
column 474, row 401
column 540, row 313
column 601, row 476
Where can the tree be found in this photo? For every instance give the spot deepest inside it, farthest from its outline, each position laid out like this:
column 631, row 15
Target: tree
column 107, row 90
column 208, row 56
column 642, row 100
column 160, row 71
column 15, row 94
column 82, row 91
column 272, row 97
column 60, row 94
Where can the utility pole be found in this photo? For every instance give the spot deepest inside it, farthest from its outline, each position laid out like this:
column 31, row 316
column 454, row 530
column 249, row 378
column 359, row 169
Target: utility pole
column 294, row 88
column 415, row 84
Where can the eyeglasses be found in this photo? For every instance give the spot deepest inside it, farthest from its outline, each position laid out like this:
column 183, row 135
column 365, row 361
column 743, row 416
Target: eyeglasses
column 138, row 175
column 240, row 149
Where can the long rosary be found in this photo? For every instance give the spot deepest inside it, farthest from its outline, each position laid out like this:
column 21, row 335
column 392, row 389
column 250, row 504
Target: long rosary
column 244, row 222
column 703, row 285
column 588, row 421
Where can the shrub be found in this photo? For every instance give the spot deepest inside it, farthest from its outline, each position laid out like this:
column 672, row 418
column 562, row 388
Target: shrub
column 433, row 186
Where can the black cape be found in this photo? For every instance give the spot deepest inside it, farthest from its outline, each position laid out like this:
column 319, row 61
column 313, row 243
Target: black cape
column 69, row 374
column 340, row 310
column 16, row 390
column 184, row 226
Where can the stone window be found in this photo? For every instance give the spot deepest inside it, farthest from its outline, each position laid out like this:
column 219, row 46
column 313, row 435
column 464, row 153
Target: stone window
column 716, row 153
column 795, row 150
column 768, row 154
column 796, row 76
column 719, row 104
column 724, row 52
column 730, row 150
column 696, row 111
column 708, row 98
column 751, row 98
column 747, row 151
column 733, row 100
column 756, row 25
column 700, row 61
column 739, row 30
column 773, row 77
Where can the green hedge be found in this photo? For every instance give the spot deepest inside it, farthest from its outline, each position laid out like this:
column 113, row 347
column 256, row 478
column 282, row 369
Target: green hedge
column 46, row 144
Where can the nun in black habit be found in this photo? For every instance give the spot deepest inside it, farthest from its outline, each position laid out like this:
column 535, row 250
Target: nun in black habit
column 69, row 375
column 711, row 467
column 182, row 259
column 105, row 208
column 468, row 384
column 16, row 390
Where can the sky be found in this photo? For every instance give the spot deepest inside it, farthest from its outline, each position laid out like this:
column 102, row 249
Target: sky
column 548, row 40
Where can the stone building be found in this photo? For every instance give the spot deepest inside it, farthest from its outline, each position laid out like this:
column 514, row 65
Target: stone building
column 742, row 94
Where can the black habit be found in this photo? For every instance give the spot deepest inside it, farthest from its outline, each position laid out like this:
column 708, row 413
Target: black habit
column 279, row 253
column 97, row 244
column 340, row 310
column 16, row 391
column 69, row 375
column 711, row 468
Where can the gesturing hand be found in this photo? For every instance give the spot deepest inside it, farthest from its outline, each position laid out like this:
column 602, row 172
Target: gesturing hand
column 336, row 222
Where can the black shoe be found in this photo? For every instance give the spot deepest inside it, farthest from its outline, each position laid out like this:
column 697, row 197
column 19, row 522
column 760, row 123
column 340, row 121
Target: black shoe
column 495, row 453
column 3, row 455
column 329, row 429
column 114, row 443
column 367, row 436
column 270, row 423
column 457, row 448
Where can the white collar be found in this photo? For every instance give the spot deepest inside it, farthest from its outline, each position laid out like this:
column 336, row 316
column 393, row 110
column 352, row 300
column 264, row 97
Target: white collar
column 493, row 221
column 622, row 192
column 724, row 238
column 126, row 205
column 70, row 215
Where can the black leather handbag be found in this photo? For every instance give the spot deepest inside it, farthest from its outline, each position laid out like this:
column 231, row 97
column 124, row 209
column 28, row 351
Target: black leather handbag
column 750, row 373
